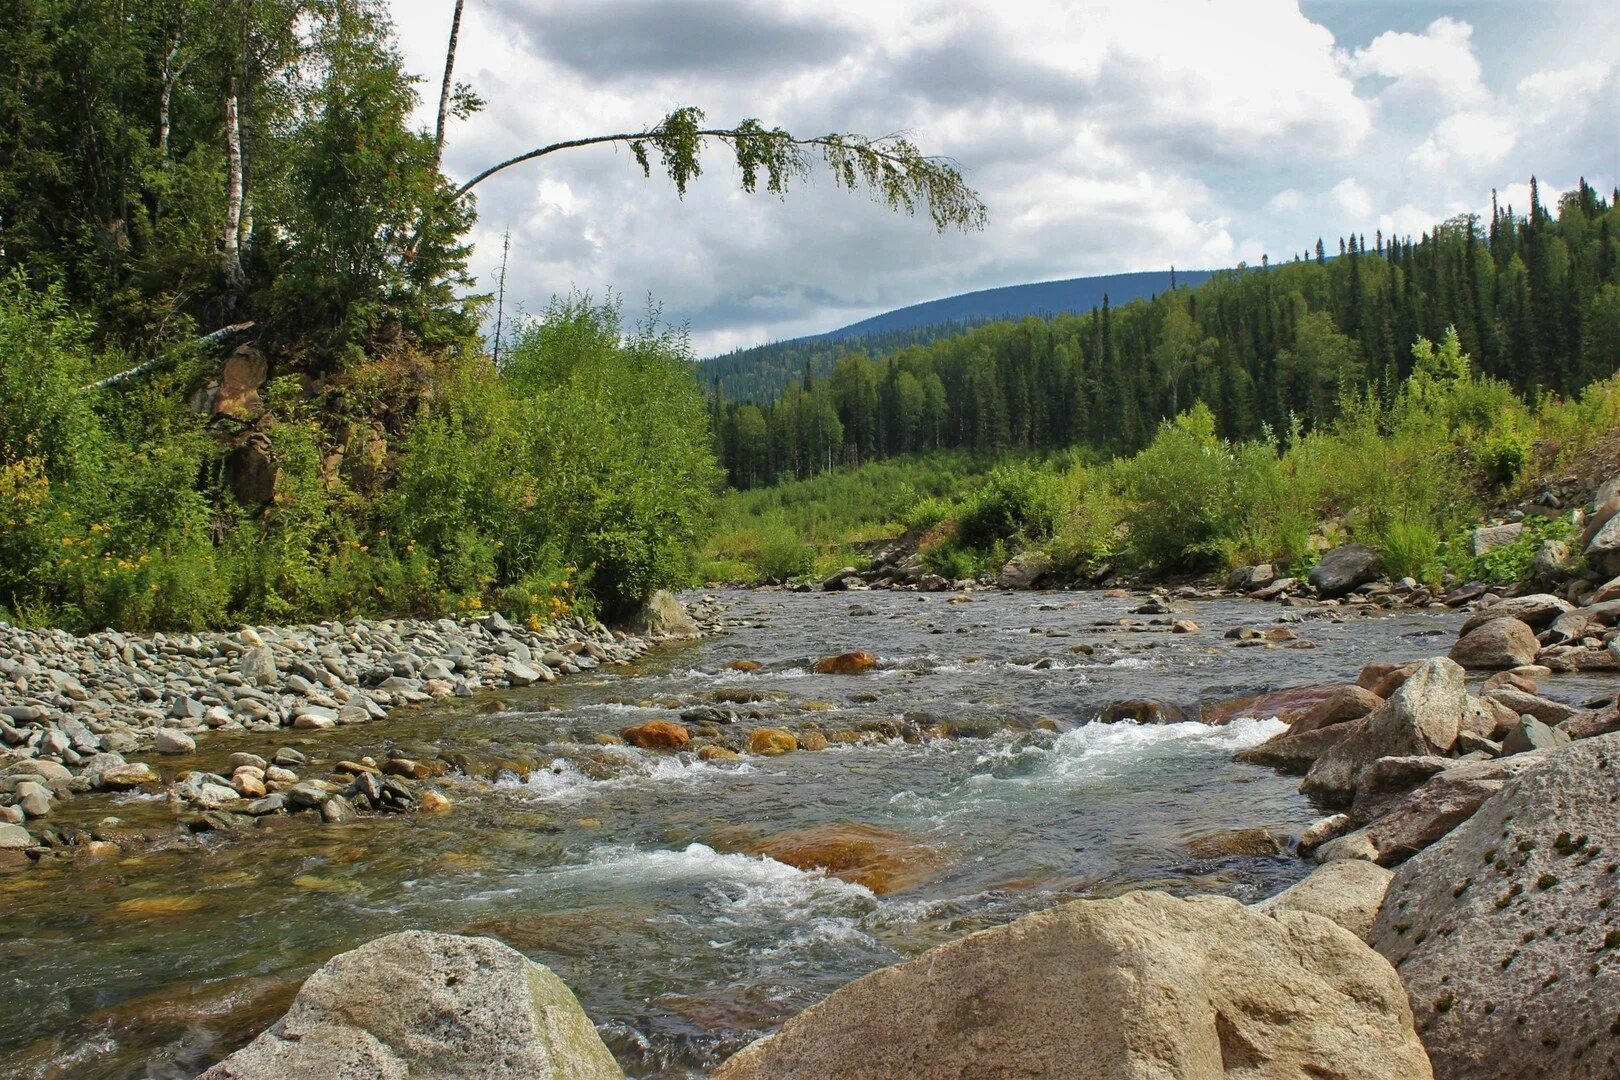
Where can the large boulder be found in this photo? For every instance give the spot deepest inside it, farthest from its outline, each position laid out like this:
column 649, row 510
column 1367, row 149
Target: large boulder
column 663, row 616
column 1500, row 643
column 1503, row 932
column 1491, row 537
column 1348, row 892
column 1423, row 717
column 1025, row 570
column 1349, row 702
column 1344, row 568
column 421, row 1004
column 1426, row 814
column 1145, row 985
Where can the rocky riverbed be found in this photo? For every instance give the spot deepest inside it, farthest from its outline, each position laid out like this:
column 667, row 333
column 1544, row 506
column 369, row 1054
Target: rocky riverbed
column 716, row 835
column 77, row 713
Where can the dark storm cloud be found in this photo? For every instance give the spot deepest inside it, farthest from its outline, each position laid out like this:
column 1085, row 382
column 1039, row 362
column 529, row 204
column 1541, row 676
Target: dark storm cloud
column 630, row 39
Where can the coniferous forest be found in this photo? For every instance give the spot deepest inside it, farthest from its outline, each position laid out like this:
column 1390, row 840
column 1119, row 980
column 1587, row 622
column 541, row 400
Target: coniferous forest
column 1534, row 295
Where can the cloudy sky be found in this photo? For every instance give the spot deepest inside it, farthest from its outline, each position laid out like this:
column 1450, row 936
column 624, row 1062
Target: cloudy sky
column 1104, row 136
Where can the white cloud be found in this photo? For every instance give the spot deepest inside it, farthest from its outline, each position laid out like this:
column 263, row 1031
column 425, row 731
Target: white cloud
column 1105, row 137
column 1564, row 86
column 1437, row 66
column 1473, row 140
column 1353, row 199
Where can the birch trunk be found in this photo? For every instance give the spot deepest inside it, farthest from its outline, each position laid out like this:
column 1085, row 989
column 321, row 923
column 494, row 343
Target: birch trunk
column 233, row 198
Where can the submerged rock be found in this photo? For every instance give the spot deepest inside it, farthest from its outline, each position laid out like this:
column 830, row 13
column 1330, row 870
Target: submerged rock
column 1143, row 985
column 431, row 1005
column 883, row 860
column 658, row 735
column 771, row 741
column 1504, row 934
column 850, row 663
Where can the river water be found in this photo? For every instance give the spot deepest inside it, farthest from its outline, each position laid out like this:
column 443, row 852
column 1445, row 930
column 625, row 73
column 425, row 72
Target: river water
column 981, row 793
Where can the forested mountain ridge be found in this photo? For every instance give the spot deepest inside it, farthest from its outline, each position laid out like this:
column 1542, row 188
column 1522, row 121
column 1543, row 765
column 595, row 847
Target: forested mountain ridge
column 761, row 372
column 1534, row 296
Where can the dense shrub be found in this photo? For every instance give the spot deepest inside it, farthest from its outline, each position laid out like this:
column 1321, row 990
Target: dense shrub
column 577, row 479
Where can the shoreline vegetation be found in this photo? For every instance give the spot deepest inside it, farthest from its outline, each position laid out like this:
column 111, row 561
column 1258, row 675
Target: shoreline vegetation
column 1409, row 474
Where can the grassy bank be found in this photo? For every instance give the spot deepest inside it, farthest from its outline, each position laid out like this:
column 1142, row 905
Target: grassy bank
column 1406, row 468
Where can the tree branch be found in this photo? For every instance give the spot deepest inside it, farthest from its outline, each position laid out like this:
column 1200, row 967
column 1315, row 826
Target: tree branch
column 166, row 359
column 890, row 167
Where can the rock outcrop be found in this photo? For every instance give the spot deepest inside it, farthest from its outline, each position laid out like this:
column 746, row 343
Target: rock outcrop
column 423, row 1004
column 1142, row 986
column 664, row 617
column 1504, row 934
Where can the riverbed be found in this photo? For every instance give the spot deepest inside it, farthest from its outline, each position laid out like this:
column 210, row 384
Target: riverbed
column 978, row 787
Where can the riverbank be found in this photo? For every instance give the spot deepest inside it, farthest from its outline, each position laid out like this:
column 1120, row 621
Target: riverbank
column 78, row 714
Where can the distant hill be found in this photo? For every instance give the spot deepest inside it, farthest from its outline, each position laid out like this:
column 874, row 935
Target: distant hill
column 762, row 372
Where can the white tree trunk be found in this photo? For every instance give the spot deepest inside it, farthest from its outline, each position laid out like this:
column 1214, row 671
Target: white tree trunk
column 448, row 86
column 233, row 198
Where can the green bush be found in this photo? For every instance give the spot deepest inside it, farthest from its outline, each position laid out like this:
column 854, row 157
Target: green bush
column 1020, row 501
column 1180, row 491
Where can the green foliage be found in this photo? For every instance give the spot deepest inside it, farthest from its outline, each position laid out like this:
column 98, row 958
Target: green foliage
column 577, row 480
column 1508, row 563
column 1020, row 501
column 1409, row 549
column 1180, row 491
column 1398, row 473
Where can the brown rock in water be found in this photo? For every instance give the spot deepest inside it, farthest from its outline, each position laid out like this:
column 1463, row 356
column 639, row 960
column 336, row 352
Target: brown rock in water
column 658, row 735
column 745, row 665
column 1288, row 705
column 1344, row 703
column 850, row 663
column 771, row 742
column 1144, row 985
column 883, row 860
column 1503, row 931
column 428, row 1005
column 1295, row 754
column 1234, row 842
column 1423, row 717
column 1383, row 679
column 1142, row 711
column 718, row 753
column 1499, row 643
